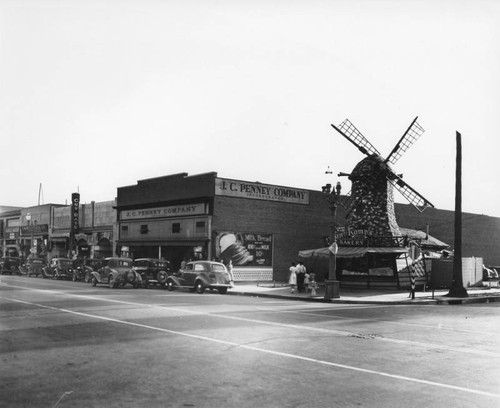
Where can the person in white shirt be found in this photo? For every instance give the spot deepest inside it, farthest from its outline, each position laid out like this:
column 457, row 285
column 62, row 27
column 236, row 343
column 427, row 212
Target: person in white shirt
column 292, row 278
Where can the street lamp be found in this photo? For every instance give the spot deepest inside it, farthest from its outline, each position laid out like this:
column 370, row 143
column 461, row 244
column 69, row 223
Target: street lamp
column 30, row 227
column 333, row 197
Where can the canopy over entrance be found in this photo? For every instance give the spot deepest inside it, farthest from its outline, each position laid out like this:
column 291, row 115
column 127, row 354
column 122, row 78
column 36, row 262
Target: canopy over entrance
column 351, row 252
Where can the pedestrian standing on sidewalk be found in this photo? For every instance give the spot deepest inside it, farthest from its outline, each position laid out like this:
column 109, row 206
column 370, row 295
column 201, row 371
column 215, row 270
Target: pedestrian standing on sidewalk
column 301, row 271
column 230, row 270
column 292, row 278
column 313, row 284
column 307, row 281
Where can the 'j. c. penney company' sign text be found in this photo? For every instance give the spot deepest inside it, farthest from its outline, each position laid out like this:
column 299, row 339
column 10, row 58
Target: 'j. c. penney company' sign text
column 161, row 212
column 260, row 191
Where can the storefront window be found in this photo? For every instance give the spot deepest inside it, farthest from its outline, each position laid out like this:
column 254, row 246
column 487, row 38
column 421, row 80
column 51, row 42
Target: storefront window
column 200, row 227
column 15, row 222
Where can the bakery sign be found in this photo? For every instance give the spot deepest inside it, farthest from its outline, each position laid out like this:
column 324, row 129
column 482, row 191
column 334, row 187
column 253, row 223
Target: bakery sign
column 163, row 212
column 259, row 191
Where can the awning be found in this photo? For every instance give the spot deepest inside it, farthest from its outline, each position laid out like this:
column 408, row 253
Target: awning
column 161, row 243
column 63, row 237
column 426, row 241
column 351, row 252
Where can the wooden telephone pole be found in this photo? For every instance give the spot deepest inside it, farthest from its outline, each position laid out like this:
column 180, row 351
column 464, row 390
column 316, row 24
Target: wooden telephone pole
column 457, row 285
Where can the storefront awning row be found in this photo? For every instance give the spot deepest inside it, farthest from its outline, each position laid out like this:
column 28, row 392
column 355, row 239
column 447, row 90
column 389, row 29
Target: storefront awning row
column 351, row 252
column 162, row 243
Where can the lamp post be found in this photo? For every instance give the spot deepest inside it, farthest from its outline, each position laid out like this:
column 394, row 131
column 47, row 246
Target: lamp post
column 30, row 227
column 332, row 284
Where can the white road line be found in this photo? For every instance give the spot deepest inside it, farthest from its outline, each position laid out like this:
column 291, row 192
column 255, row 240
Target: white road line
column 411, row 343
column 261, row 350
column 426, row 326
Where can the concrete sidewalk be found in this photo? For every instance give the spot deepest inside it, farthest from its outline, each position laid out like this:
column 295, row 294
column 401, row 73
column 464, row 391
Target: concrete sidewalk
column 364, row 295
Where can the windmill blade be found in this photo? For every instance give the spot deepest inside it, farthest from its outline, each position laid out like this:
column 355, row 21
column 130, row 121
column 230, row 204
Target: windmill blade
column 413, row 196
column 349, row 131
column 413, row 132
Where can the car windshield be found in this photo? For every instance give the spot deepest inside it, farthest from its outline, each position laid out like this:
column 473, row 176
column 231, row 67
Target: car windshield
column 162, row 264
column 122, row 262
column 66, row 262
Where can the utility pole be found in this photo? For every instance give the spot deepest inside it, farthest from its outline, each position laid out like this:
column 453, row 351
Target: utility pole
column 332, row 284
column 457, row 285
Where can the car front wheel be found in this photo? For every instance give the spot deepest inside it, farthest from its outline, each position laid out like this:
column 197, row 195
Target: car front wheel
column 222, row 291
column 170, row 285
column 93, row 281
column 199, row 287
column 112, row 282
column 162, row 277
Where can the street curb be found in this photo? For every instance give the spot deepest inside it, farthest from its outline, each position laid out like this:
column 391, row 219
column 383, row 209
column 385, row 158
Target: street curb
column 470, row 299
column 436, row 301
column 339, row 300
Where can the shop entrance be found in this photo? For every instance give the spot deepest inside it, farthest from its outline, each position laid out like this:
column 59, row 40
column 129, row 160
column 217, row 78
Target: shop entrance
column 103, row 249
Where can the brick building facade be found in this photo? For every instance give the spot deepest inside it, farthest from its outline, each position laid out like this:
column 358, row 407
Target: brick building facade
column 260, row 227
column 96, row 235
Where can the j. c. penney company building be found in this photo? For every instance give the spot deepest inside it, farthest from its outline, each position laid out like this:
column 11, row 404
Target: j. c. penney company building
column 258, row 227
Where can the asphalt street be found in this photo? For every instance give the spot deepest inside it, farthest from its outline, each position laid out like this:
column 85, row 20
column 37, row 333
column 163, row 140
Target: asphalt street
column 68, row 344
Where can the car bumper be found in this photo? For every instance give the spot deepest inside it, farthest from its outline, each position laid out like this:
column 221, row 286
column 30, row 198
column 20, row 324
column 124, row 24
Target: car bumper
column 221, row 285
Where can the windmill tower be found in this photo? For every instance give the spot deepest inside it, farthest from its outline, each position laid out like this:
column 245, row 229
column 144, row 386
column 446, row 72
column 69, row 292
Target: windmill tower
column 370, row 204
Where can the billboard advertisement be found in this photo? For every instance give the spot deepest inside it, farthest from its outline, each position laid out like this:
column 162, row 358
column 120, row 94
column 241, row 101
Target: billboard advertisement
column 244, row 248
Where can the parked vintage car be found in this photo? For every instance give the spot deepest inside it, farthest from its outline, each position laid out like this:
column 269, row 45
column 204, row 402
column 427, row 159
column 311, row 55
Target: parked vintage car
column 153, row 271
column 201, row 275
column 33, row 266
column 9, row 265
column 82, row 268
column 58, row 268
column 116, row 272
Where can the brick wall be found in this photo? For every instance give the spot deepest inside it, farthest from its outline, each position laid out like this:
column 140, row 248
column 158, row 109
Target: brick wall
column 294, row 226
column 480, row 233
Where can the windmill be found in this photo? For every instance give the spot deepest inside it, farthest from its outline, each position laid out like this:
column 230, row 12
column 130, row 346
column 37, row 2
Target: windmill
column 370, row 204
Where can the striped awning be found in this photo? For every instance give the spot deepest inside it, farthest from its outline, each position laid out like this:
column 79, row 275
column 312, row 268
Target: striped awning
column 351, row 252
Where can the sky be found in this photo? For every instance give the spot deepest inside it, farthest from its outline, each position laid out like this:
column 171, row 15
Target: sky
column 96, row 95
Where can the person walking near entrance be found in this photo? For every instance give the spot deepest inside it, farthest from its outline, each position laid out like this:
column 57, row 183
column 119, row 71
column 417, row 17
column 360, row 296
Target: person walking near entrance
column 292, row 279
